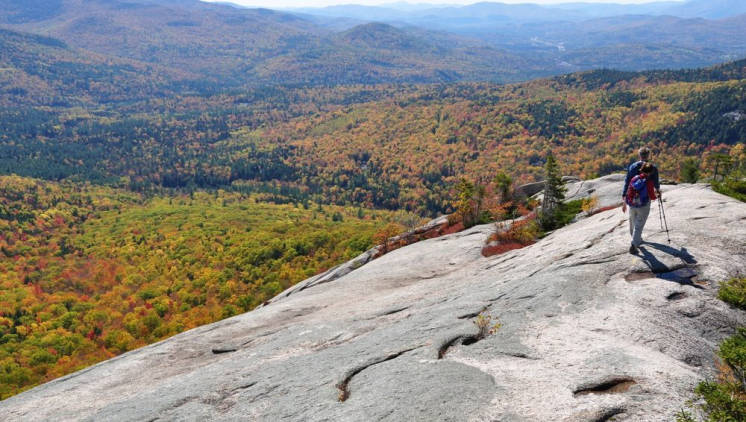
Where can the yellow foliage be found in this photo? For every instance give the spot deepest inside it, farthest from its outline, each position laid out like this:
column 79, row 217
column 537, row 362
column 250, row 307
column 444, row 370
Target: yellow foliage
column 589, row 204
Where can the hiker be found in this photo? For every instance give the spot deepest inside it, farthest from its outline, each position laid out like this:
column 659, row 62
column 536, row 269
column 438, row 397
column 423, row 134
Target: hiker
column 641, row 187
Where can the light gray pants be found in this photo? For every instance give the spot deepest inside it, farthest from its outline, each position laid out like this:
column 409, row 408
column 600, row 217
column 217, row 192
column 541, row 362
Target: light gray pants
column 637, row 219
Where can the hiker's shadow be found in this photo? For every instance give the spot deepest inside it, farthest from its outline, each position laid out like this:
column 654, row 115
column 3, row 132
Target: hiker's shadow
column 682, row 276
column 682, row 253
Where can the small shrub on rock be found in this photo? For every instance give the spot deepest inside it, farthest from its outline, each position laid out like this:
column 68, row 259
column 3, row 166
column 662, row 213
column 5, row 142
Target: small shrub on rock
column 485, row 325
column 733, row 292
column 520, row 234
column 568, row 211
column 589, row 205
column 384, row 235
column 733, row 352
column 731, row 187
column 524, row 232
column 724, row 399
column 723, row 402
column 469, row 203
column 563, row 214
column 684, row 416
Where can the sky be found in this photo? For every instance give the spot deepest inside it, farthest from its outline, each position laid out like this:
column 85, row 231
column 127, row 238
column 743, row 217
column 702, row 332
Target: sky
column 276, row 4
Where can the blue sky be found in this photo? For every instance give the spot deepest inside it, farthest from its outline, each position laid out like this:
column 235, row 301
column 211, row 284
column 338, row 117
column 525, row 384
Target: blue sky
column 274, row 4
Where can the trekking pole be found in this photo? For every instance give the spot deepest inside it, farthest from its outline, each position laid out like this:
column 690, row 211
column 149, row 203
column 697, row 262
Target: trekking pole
column 660, row 214
column 663, row 212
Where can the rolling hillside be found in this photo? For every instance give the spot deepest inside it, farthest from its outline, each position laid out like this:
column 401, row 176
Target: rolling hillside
column 713, row 9
column 38, row 70
column 390, row 146
column 221, row 46
column 578, row 36
column 205, row 47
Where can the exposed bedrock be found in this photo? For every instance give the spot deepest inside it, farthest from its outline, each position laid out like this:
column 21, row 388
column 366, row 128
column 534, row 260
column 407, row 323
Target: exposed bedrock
column 589, row 333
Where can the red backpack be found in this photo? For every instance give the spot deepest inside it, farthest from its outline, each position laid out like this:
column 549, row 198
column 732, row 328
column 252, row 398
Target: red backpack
column 637, row 192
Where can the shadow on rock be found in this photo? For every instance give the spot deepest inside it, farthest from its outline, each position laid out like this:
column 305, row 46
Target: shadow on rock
column 682, row 253
column 682, row 274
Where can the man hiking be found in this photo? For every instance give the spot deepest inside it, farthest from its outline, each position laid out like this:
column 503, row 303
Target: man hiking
column 641, row 187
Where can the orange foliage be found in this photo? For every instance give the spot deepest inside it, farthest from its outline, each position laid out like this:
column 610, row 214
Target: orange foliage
column 492, row 250
column 520, row 234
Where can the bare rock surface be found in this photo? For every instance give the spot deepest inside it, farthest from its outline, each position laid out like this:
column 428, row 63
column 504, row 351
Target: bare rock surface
column 588, row 332
column 607, row 189
column 530, row 189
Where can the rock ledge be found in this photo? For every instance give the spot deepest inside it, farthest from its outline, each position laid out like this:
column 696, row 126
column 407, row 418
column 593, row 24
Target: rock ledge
column 588, row 332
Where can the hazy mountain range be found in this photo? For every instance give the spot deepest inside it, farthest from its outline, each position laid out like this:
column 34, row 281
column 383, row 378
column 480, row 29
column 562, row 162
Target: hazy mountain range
column 207, row 46
column 496, row 12
column 226, row 46
column 576, row 36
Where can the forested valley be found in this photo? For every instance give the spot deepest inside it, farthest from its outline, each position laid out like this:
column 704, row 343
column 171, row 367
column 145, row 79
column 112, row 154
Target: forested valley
column 383, row 146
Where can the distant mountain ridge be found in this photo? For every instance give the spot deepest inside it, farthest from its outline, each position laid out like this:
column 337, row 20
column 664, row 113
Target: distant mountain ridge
column 531, row 12
column 710, row 9
column 227, row 46
column 215, row 46
column 578, row 36
column 731, row 71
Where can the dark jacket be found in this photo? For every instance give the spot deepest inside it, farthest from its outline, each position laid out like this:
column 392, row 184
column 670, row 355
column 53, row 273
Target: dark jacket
column 634, row 170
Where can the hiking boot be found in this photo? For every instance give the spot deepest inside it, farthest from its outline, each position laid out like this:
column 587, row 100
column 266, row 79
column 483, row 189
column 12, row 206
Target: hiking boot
column 632, row 249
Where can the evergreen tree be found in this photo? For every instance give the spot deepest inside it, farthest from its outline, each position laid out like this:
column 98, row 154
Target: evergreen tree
column 554, row 193
column 690, row 170
column 503, row 182
column 738, row 152
column 721, row 164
